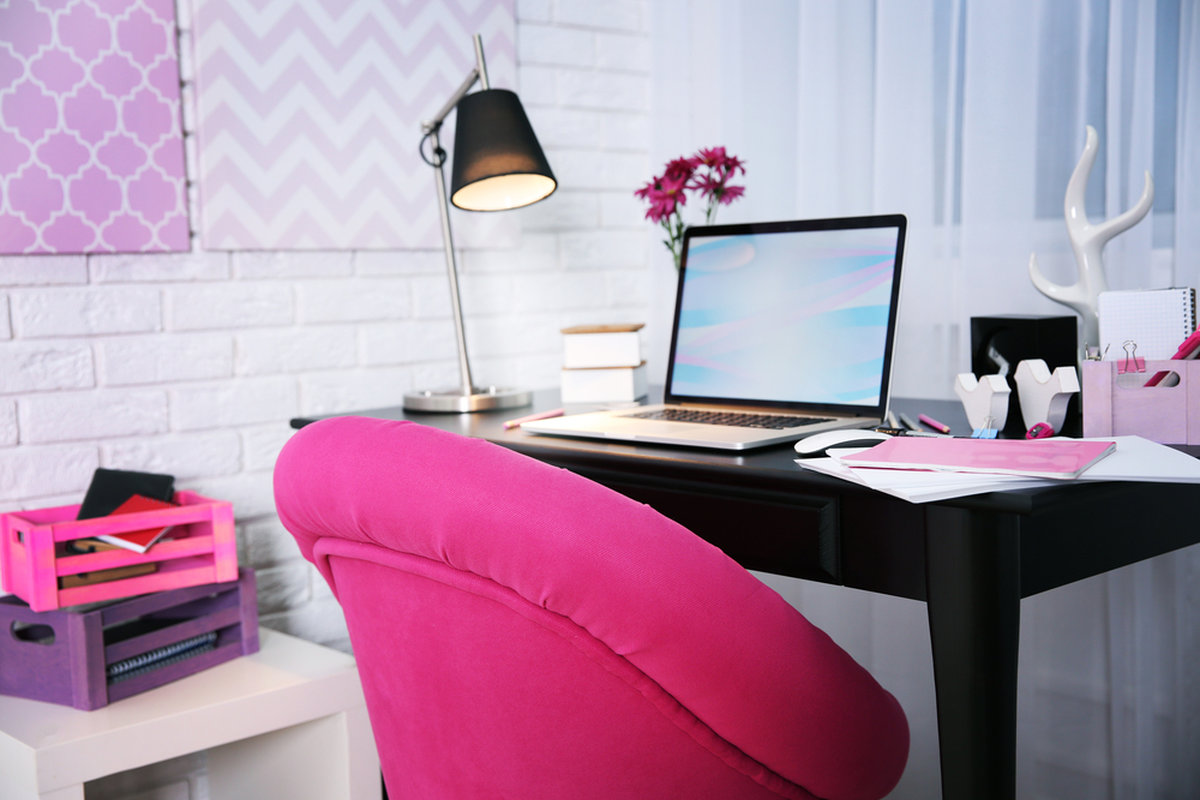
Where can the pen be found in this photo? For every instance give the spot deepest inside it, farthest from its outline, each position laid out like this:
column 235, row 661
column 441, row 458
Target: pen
column 905, row 432
column 933, row 423
column 907, row 422
column 513, row 423
column 1188, row 350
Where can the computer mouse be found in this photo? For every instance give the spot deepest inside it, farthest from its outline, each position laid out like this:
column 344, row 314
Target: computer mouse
column 819, row 443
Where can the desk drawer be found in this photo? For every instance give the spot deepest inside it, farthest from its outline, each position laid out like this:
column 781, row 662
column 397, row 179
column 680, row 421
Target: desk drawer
column 801, row 532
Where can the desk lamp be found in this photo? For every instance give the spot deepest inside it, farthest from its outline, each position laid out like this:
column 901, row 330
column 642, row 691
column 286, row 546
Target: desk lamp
column 498, row 165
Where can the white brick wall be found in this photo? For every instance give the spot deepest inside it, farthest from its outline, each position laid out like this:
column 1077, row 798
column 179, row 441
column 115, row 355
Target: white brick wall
column 193, row 363
column 75, row 416
column 8, row 423
column 164, row 358
column 184, row 455
column 81, row 312
column 44, row 366
column 230, row 304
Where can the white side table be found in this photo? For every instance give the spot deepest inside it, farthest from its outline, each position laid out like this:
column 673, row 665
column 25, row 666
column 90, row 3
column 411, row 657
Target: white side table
column 287, row 721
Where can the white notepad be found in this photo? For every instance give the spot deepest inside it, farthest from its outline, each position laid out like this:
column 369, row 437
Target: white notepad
column 1156, row 320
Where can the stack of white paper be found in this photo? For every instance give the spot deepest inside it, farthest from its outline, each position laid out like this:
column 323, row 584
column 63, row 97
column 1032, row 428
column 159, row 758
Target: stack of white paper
column 1135, row 459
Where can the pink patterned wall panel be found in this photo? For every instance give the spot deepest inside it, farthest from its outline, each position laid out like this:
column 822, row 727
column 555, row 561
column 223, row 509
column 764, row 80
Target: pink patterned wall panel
column 91, row 145
column 309, row 115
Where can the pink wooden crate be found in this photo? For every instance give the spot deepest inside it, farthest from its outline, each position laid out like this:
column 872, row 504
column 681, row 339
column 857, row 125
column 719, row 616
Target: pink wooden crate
column 201, row 550
column 90, row 658
column 1115, row 404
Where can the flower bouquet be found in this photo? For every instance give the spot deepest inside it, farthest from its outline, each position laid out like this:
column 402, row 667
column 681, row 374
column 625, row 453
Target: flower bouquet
column 708, row 172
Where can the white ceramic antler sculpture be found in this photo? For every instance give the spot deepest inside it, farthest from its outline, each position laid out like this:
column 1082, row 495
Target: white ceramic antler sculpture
column 1087, row 241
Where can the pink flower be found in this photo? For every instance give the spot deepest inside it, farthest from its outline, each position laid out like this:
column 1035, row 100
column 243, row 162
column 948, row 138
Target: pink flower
column 680, row 170
column 731, row 193
column 706, row 172
column 712, row 156
column 662, row 204
column 664, row 194
column 715, row 158
column 709, row 186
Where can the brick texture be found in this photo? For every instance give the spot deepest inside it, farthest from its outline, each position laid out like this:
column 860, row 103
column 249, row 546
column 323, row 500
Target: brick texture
column 193, row 363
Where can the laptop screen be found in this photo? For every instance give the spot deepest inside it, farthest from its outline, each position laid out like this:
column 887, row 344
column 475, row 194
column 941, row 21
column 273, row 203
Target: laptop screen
column 793, row 314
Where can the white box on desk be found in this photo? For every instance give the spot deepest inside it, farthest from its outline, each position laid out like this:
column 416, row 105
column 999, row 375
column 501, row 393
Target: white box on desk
column 604, row 384
column 587, row 346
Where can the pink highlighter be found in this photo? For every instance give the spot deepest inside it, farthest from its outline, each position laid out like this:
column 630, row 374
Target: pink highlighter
column 1190, row 348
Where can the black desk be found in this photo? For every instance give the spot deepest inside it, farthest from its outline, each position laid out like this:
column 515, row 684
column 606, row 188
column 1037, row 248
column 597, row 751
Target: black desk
column 971, row 560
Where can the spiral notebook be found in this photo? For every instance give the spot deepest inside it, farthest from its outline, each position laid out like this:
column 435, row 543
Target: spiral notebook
column 1156, row 320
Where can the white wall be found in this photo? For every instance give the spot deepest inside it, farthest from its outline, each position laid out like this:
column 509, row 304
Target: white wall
column 193, row 364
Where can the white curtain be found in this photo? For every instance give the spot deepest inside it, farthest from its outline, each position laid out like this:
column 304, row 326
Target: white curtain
column 969, row 118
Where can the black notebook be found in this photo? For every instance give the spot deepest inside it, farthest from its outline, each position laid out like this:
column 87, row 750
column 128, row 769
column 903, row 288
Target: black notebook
column 112, row 487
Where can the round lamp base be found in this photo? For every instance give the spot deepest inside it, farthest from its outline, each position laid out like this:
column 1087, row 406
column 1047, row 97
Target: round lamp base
column 455, row 401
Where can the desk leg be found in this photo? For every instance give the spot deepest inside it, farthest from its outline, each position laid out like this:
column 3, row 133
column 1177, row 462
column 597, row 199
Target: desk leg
column 974, row 606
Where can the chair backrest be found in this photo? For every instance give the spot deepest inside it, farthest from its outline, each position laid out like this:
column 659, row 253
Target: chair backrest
column 523, row 632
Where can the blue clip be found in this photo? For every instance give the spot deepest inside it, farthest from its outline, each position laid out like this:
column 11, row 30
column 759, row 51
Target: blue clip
column 984, row 433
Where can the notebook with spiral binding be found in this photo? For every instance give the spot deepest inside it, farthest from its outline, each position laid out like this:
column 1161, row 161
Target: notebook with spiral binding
column 160, row 657
column 1156, row 320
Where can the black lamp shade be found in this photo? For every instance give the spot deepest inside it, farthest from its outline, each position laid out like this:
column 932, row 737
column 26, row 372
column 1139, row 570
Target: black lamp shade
column 498, row 163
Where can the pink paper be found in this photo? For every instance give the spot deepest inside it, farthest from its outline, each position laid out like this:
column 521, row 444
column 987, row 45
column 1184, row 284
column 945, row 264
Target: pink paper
column 1046, row 458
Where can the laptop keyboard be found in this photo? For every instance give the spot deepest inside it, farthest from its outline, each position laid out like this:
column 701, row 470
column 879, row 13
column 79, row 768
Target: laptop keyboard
column 738, row 419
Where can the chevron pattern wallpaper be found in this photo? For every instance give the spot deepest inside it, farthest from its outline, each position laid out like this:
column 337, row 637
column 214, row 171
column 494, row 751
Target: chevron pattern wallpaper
column 309, row 118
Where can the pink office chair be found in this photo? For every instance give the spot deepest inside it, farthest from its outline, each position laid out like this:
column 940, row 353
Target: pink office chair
column 523, row 632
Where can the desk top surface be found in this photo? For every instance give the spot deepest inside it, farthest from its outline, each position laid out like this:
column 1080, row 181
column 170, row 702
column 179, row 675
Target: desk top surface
column 773, row 466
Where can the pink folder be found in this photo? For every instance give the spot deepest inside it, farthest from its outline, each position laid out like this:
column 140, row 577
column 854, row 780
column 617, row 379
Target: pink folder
column 1043, row 458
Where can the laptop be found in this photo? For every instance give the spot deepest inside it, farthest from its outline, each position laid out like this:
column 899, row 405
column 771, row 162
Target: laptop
column 780, row 330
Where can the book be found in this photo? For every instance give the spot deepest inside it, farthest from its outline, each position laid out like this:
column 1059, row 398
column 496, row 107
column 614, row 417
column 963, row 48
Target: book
column 604, row 384
column 111, row 487
column 140, row 540
column 104, row 575
column 1063, row 459
column 618, row 345
column 1156, row 320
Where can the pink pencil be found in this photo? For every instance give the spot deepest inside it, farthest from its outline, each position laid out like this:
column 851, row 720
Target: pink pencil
column 513, row 423
column 1190, row 348
column 933, row 423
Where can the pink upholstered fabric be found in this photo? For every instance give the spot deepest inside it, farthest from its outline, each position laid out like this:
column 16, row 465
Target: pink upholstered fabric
column 524, row 632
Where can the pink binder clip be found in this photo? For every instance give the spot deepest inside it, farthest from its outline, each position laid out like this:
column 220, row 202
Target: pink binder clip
column 1131, row 363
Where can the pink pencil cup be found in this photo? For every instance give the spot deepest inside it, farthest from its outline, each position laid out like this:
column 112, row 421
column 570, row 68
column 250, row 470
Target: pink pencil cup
column 1116, row 404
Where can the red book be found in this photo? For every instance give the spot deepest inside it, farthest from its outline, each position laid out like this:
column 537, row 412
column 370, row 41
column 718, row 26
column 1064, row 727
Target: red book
column 138, row 541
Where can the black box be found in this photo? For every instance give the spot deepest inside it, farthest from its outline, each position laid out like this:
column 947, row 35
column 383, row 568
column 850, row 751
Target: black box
column 1019, row 337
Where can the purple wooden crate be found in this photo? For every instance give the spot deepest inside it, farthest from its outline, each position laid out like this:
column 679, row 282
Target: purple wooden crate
column 66, row 656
